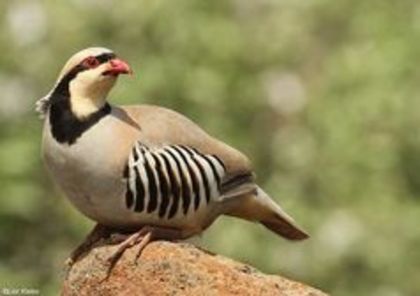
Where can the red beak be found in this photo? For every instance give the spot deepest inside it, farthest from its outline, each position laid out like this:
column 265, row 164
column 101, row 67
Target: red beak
column 118, row 66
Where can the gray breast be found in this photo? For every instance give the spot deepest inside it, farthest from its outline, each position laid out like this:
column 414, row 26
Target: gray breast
column 87, row 171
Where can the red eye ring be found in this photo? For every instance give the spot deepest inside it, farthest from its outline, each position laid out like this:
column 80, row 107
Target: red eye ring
column 91, row 62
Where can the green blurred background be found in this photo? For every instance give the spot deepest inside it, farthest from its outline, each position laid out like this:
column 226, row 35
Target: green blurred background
column 322, row 95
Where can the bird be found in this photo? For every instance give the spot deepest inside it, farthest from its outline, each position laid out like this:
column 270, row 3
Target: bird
column 143, row 172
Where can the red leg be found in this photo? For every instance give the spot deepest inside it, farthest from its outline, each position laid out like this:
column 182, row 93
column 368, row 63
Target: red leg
column 141, row 238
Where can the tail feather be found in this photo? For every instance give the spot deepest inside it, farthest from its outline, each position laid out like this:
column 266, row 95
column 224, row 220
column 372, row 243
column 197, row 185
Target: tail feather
column 277, row 220
column 260, row 207
column 285, row 228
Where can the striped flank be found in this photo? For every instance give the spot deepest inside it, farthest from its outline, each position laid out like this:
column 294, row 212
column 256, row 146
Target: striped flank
column 172, row 180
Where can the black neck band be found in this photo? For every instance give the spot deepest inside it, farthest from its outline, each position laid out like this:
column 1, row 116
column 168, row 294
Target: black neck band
column 65, row 126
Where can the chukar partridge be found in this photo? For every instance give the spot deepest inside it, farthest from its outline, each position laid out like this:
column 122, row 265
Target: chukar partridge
column 143, row 169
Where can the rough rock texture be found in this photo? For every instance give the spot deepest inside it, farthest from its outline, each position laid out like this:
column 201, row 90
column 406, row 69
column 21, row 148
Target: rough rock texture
column 166, row 268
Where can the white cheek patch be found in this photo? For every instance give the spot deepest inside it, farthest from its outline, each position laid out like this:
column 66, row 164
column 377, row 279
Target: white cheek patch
column 92, row 75
column 89, row 89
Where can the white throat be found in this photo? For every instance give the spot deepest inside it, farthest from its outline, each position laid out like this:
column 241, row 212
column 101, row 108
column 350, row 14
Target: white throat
column 82, row 107
column 88, row 94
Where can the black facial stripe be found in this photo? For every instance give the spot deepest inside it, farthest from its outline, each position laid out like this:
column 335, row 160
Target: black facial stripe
column 63, row 86
column 61, row 91
column 105, row 57
column 65, row 126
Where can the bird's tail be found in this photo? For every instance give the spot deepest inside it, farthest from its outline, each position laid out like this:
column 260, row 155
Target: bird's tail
column 260, row 207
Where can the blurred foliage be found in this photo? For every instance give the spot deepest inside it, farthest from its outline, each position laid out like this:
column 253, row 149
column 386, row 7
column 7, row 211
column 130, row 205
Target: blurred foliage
column 322, row 95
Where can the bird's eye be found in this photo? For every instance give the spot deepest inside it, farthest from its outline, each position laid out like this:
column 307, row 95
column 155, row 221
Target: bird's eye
column 91, row 62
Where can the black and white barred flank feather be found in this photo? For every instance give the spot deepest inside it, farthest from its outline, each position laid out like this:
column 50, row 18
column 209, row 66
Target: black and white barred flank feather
column 171, row 179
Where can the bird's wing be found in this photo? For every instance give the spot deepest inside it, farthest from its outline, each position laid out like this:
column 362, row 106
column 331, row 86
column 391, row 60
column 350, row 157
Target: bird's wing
column 163, row 131
column 159, row 143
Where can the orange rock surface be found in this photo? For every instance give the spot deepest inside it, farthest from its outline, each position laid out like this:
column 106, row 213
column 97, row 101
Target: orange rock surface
column 166, row 268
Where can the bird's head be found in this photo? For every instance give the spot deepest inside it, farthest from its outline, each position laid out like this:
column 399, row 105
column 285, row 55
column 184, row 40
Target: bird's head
column 86, row 80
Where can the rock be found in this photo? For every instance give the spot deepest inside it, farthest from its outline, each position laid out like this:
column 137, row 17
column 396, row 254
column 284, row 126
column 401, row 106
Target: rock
column 166, row 268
